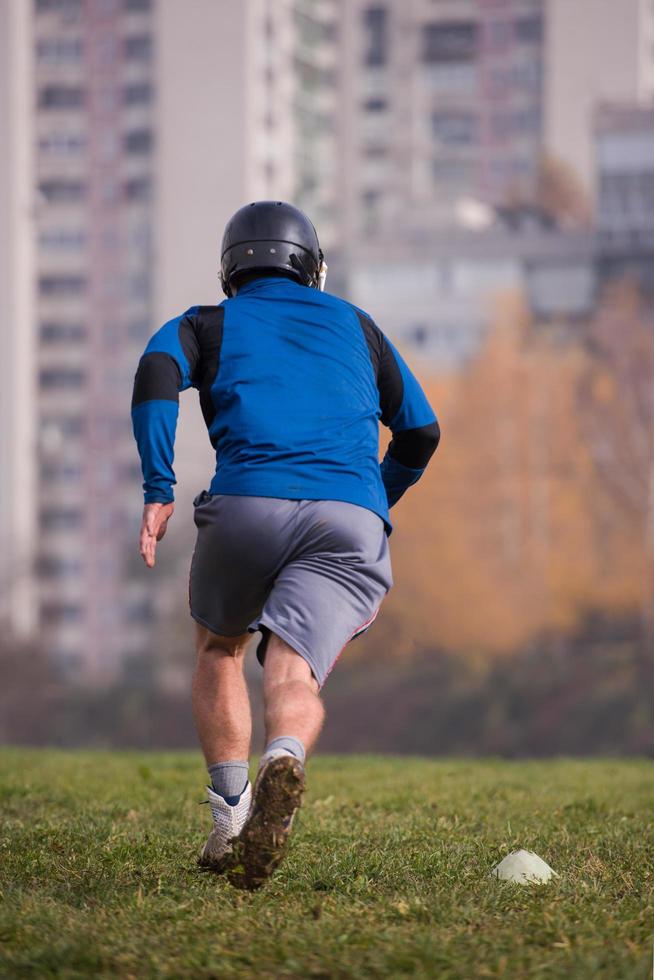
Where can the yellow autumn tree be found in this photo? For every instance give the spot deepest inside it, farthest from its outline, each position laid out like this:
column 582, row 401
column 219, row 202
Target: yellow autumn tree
column 501, row 540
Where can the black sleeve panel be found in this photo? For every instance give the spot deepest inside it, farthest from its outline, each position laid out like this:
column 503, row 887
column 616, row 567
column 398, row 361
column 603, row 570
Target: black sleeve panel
column 387, row 372
column 157, row 376
column 415, row 447
column 207, row 325
column 189, row 344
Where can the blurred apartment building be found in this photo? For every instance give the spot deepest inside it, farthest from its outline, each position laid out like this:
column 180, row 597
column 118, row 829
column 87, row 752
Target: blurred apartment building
column 624, row 137
column 17, row 457
column 444, row 124
column 457, row 106
column 597, row 51
column 132, row 130
column 445, row 102
column 462, row 98
column 93, row 132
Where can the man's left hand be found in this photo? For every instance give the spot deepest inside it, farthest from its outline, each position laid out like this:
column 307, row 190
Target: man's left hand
column 153, row 527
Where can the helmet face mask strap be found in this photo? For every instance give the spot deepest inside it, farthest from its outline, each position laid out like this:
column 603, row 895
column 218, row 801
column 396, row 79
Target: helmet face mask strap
column 225, row 277
column 297, row 263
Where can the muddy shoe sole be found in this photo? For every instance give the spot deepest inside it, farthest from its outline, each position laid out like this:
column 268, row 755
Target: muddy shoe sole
column 261, row 844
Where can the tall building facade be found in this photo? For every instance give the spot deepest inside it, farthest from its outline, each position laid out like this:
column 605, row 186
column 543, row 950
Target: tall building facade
column 596, row 51
column 624, row 143
column 18, row 611
column 444, row 101
column 94, row 137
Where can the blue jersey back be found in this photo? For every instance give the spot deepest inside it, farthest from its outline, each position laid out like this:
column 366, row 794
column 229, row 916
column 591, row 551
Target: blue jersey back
column 297, row 406
column 293, row 383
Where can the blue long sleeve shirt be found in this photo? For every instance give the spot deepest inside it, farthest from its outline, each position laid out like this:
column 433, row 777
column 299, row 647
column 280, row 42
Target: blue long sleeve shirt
column 292, row 385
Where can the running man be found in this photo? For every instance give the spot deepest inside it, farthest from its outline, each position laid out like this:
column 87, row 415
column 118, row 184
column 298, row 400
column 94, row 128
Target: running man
column 292, row 535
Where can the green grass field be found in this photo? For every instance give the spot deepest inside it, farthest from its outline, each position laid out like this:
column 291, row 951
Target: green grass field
column 387, row 875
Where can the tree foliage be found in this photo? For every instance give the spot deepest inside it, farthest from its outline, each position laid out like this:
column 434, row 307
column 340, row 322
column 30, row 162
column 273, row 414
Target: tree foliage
column 505, row 535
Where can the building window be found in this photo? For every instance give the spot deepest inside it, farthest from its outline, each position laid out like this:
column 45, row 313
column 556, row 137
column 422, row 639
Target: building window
column 370, row 199
column 523, row 122
column 454, row 128
column 418, row 334
column 453, row 172
column 138, row 5
column 375, row 104
column 375, row 152
column 69, row 8
column 139, row 141
column 60, row 472
column 62, row 239
column 529, row 29
column 312, row 77
column 63, row 191
column 311, row 31
column 60, row 612
column 55, row 333
column 138, row 94
column 138, row 189
column 60, row 518
column 138, row 48
column 61, row 97
column 57, row 51
column 453, row 77
column 62, row 285
column 61, row 377
column 375, row 25
column 58, row 566
column 449, row 41
column 139, row 610
column 63, row 144
column 68, row 425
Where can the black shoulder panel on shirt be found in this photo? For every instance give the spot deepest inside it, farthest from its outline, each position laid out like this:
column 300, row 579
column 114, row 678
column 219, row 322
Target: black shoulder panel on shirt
column 207, row 330
column 415, row 447
column 157, row 376
column 387, row 372
column 189, row 344
column 372, row 333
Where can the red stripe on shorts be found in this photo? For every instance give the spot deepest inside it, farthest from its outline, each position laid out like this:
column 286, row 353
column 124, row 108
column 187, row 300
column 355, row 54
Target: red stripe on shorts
column 358, row 630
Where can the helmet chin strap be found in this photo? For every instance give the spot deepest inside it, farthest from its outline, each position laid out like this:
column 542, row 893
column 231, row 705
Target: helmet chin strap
column 317, row 281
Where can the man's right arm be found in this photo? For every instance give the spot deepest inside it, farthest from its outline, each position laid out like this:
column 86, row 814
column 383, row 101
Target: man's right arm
column 166, row 367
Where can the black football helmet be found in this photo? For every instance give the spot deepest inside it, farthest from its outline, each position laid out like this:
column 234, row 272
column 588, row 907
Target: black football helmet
column 269, row 236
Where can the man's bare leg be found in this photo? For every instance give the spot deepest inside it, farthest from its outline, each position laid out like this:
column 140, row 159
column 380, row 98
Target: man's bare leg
column 292, row 704
column 293, row 713
column 221, row 705
column 221, row 708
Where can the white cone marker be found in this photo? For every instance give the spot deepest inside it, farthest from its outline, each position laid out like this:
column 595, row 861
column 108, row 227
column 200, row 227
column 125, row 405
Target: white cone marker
column 523, row 867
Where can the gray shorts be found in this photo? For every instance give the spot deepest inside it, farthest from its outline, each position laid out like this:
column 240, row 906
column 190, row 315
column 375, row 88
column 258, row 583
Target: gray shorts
column 312, row 571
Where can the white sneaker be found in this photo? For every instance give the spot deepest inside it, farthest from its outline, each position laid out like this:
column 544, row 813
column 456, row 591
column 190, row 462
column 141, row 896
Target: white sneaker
column 228, row 821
